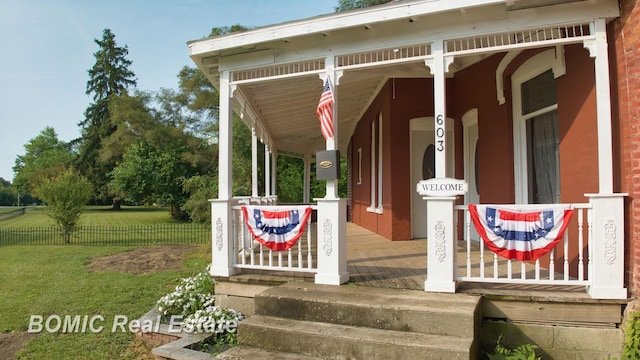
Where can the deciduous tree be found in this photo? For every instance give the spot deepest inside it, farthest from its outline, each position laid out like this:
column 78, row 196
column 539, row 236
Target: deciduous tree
column 8, row 194
column 152, row 175
column 65, row 195
column 45, row 156
column 200, row 188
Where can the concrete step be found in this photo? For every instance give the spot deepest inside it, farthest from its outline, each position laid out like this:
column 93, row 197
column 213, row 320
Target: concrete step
column 378, row 308
column 243, row 352
column 333, row 341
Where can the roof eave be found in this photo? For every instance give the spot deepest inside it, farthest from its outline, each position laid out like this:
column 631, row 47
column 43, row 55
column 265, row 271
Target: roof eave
column 328, row 23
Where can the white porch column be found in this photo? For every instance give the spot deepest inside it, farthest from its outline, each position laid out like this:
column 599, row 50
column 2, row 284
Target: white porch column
column 441, row 247
column 332, row 242
column 254, row 163
column 606, row 271
column 274, row 171
column 221, row 224
column 332, row 142
column 307, row 178
column 332, row 211
column 599, row 51
column 439, row 67
column 267, row 171
column 225, row 139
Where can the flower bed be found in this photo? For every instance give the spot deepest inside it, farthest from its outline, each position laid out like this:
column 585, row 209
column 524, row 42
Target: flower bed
column 190, row 309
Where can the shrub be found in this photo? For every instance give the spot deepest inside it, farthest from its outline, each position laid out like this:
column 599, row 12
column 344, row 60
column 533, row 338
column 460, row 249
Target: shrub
column 190, row 295
column 631, row 348
column 521, row 352
column 193, row 299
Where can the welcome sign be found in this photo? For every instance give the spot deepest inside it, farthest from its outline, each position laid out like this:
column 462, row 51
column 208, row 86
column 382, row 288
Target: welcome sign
column 442, row 187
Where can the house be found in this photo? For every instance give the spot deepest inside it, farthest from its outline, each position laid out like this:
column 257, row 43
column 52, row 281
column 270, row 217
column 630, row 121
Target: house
column 531, row 103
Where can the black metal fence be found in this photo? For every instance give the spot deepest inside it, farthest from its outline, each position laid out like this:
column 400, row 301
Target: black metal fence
column 134, row 235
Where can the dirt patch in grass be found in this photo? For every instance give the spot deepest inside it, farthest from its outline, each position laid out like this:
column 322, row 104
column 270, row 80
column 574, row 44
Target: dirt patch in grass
column 11, row 344
column 143, row 260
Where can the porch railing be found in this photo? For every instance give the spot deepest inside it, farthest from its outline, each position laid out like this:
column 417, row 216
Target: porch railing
column 569, row 263
column 250, row 254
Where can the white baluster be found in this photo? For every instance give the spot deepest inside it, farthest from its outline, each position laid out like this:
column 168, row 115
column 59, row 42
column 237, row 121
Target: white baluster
column 580, row 245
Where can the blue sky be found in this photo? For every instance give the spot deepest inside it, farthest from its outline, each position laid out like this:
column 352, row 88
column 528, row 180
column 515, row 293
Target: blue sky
column 47, row 46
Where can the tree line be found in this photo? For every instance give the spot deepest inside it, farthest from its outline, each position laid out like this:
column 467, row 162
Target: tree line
column 141, row 147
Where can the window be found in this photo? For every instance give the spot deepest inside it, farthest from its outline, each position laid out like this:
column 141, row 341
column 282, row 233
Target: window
column 429, row 162
column 543, row 160
column 376, row 166
column 536, row 142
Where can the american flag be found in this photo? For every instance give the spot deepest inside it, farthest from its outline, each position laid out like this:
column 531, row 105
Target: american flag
column 325, row 111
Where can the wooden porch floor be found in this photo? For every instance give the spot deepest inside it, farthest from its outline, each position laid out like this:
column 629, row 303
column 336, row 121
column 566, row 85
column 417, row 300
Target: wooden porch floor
column 375, row 261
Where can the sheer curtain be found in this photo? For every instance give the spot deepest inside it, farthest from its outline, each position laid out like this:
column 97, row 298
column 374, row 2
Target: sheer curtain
column 544, row 144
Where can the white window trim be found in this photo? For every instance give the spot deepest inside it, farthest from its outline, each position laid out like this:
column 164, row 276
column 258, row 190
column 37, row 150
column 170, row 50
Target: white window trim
column 380, row 207
column 359, row 182
column 531, row 68
column 372, row 206
column 376, row 172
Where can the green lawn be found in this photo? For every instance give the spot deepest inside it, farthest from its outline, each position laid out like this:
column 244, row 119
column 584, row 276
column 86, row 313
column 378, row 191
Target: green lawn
column 53, row 280
column 96, row 215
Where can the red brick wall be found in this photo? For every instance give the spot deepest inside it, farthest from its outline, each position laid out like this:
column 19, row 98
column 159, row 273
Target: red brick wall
column 475, row 87
column 624, row 44
column 577, row 126
column 154, row 339
column 379, row 223
column 398, row 103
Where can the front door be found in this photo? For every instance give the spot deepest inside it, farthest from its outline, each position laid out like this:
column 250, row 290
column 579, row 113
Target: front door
column 423, row 167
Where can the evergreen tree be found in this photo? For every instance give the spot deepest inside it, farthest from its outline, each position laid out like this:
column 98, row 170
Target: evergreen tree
column 110, row 76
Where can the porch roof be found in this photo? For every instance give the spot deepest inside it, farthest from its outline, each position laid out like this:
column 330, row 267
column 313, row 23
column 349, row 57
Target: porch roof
column 274, row 70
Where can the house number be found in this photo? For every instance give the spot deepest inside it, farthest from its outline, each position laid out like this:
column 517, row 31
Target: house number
column 440, row 132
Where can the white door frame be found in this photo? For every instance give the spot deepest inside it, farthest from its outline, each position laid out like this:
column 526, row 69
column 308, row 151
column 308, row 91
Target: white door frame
column 470, row 138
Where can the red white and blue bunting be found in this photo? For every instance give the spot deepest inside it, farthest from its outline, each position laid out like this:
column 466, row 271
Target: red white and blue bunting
column 276, row 227
column 520, row 234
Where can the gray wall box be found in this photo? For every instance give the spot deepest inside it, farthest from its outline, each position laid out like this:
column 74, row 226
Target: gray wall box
column 328, row 165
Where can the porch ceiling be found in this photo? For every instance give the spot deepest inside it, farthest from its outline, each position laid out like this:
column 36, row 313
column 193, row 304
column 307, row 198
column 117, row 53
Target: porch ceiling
column 287, row 106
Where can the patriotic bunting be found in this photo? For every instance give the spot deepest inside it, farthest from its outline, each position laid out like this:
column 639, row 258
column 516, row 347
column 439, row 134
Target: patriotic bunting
column 520, row 235
column 276, row 227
